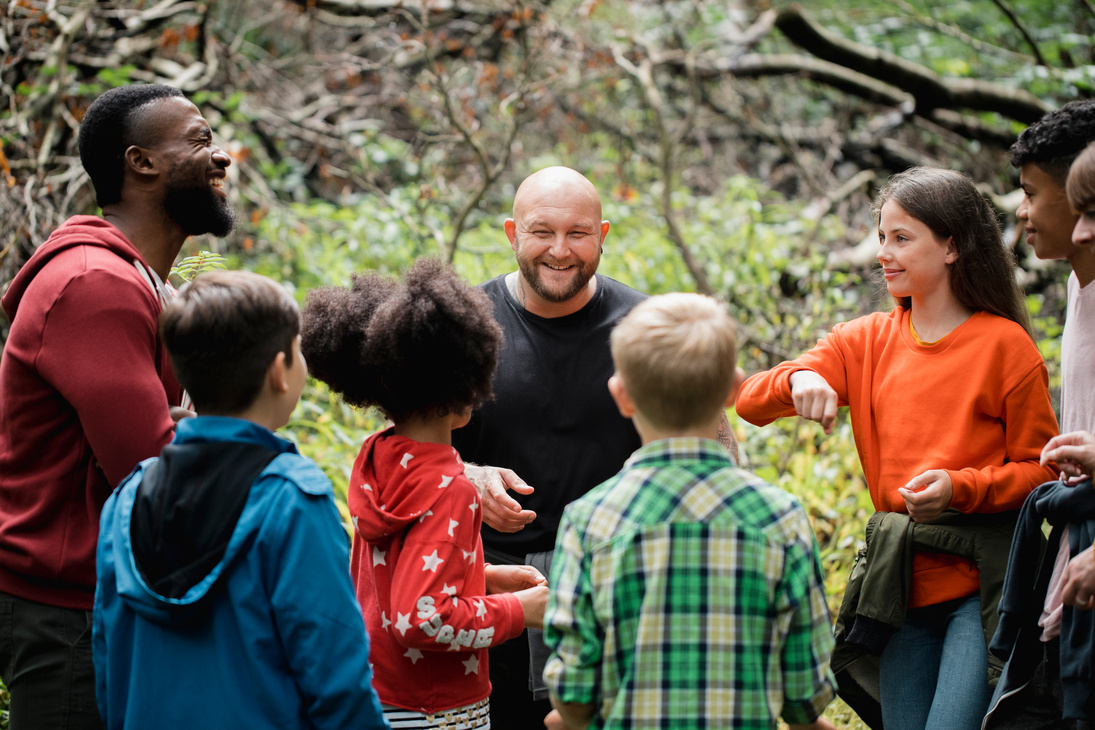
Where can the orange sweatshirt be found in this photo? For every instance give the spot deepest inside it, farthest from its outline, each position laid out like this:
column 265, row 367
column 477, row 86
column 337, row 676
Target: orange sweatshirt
column 975, row 403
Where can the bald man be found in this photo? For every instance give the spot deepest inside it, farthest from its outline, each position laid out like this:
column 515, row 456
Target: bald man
column 552, row 432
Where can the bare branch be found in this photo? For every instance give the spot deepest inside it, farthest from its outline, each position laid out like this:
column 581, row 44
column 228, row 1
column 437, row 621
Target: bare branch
column 930, row 90
column 643, row 73
column 949, row 30
column 1014, row 19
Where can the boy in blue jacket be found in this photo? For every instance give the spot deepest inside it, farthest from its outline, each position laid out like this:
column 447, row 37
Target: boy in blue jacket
column 224, row 597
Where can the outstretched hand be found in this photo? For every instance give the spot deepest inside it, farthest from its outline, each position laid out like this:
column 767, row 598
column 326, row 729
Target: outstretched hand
column 814, row 398
column 928, row 495
column 1074, row 452
column 500, row 511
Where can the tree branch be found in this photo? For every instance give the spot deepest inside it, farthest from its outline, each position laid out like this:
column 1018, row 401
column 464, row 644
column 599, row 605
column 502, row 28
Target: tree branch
column 1014, row 19
column 644, row 75
column 930, row 90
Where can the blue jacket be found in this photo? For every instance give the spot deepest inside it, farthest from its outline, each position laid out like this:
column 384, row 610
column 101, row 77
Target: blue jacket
column 224, row 597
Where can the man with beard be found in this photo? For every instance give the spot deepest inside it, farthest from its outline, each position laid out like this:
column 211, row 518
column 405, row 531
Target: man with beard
column 552, row 432
column 86, row 387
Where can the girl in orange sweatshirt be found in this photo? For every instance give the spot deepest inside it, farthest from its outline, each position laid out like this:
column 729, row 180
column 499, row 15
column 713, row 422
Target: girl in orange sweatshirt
column 949, row 405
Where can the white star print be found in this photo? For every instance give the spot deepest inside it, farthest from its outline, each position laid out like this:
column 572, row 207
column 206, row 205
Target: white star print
column 414, row 655
column 445, row 481
column 406, row 459
column 378, row 557
column 385, row 622
column 451, row 590
column 402, row 622
column 480, row 608
column 473, row 506
column 431, row 562
column 452, row 524
column 470, row 557
column 471, row 665
column 423, row 517
column 365, row 487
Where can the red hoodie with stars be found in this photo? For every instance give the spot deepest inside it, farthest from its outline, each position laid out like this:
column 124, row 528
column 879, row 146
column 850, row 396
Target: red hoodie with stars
column 417, row 565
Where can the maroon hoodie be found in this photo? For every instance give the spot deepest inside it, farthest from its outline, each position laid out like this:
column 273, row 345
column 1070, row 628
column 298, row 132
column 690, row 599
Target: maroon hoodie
column 85, row 390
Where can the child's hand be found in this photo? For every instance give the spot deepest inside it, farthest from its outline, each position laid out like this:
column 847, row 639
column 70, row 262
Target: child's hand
column 1074, row 453
column 533, row 601
column 511, row 578
column 814, row 398
column 928, row 495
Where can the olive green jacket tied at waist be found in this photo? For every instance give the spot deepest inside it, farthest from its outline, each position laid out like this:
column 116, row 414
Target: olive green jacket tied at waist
column 877, row 596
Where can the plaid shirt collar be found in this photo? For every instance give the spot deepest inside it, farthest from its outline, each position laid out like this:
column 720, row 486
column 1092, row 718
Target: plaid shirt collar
column 677, row 449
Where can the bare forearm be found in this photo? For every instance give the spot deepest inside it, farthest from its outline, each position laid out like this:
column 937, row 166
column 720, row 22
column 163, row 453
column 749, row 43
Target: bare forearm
column 726, row 437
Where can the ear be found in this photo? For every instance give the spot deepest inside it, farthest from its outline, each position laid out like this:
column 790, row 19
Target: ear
column 138, row 160
column 275, row 375
column 619, row 394
column 511, row 232
column 604, row 231
column 735, row 386
column 952, row 251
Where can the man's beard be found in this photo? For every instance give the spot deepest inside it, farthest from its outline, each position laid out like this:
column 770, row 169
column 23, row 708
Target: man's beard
column 530, row 271
column 199, row 209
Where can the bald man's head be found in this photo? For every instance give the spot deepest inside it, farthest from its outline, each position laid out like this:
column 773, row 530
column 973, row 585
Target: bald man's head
column 557, row 232
column 560, row 184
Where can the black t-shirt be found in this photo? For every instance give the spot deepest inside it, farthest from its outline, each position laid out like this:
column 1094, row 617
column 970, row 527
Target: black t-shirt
column 552, row 419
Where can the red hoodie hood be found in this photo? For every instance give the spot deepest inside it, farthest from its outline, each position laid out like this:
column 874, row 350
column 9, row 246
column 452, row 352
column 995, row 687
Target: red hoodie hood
column 386, row 487
column 80, row 230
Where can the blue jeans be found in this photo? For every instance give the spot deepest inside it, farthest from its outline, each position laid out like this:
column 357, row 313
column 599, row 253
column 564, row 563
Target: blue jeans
column 934, row 670
column 45, row 660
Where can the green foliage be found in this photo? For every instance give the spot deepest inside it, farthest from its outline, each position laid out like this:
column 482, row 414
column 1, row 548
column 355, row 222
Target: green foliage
column 191, row 266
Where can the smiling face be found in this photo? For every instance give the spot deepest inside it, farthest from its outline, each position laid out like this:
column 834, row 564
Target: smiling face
column 1045, row 214
column 914, row 262
column 193, row 188
column 556, row 233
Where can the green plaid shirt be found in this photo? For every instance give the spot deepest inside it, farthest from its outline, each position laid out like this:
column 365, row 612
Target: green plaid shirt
column 687, row 593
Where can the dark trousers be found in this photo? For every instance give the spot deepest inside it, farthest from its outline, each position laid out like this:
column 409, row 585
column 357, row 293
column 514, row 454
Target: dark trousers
column 1040, row 704
column 45, row 661
column 511, row 704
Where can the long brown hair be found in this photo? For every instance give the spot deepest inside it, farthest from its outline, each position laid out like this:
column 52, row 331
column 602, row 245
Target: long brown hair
column 983, row 276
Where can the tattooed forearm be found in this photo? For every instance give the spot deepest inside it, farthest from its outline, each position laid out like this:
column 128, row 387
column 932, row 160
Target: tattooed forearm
column 726, row 437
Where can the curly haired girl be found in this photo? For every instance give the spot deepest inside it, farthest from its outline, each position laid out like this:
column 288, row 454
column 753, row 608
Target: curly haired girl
column 423, row 351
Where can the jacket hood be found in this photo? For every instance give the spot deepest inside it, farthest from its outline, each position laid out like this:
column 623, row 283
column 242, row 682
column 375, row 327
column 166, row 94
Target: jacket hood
column 395, row 482
column 181, row 519
column 80, row 230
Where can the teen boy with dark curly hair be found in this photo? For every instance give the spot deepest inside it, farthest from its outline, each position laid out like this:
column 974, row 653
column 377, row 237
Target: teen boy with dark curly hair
column 226, row 556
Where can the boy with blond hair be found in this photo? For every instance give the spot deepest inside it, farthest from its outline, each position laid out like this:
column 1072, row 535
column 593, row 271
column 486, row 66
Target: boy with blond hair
column 225, row 556
column 685, row 592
